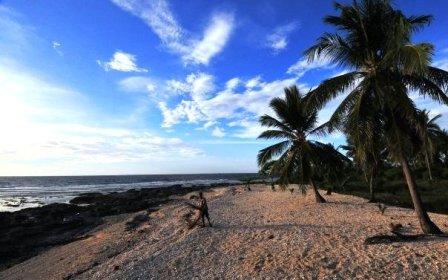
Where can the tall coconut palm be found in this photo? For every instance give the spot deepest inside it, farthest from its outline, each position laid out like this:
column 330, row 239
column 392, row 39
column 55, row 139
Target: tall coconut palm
column 368, row 157
column 364, row 133
column 296, row 157
column 430, row 133
column 373, row 41
column 335, row 169
column 268, row 170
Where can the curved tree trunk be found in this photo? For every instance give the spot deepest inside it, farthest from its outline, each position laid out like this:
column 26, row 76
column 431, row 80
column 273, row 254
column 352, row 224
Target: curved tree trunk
column 369, row 181
column 319, row 198
column 428, row 165
column 373, row 181
column 426, row 224
column 372, row 188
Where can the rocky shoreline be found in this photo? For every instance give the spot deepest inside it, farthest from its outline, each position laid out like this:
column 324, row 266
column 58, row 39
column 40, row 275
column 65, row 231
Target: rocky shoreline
column 27, row 232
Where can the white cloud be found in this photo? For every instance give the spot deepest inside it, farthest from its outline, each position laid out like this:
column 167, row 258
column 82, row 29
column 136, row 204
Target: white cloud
column 232, row 83
column 57, row 47
column 278, row 40
column 209, row 124
column 198, row 85
column 138, row 84
column 215, row 38
column 254, row 82
column 249, row 128
column 441, row 63
column 218, row 132
column 302, row 66
column 228, row 105
column 185, row 110
column 14, row 34
column 122, row 61
column 201, row 85
column 158, row 16
column 51, row 128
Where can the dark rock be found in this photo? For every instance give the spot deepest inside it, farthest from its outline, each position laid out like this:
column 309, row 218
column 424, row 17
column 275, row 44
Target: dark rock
column 137, row 221
column 27, row 232
column 86, row 198
column 331, row 265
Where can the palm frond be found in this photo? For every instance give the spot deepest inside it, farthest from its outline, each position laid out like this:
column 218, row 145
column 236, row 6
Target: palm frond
column 269, row 121
column 276, row 134
column 425, row 87
column 331, row 88
column 272, row 151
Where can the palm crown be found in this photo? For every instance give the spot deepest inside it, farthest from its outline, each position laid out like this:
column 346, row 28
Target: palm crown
column 295, row 156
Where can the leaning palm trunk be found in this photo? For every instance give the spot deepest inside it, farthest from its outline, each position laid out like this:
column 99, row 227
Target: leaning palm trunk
column 428, row 166
column 373, row 181
column 372, row 188
column 426, row 224
column 319, row 198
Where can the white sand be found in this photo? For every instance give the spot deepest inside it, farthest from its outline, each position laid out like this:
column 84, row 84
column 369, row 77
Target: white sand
column 257, row 235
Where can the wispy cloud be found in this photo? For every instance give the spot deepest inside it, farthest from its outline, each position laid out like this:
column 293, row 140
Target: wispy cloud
column 278, row 40
column 138, row 84
column 50, row 124
column 213, row 41
column 57, row 47
column 218, row 132
column 158, row 16
column 441, row 63
column 247, row 128
column 121, row 61
column 302, row 66
column 15, row 35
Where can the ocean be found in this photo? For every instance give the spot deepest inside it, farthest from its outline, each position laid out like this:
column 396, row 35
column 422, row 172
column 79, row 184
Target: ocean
column 22, row 192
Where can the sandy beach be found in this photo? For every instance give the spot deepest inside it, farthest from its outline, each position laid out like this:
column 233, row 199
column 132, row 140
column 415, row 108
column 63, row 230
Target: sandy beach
column 257, row 234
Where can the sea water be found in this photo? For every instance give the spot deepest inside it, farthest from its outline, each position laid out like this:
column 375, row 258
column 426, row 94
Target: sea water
column 22, row 192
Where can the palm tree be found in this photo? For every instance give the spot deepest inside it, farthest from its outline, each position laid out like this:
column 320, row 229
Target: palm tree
column 430, row 133
column 296, row 157
column 442, row 149
column 268, row 171
column 367, row 155
column 335, row 168
column 373, row 41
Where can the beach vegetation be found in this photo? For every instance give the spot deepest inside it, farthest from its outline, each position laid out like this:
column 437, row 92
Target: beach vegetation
column 373, row 41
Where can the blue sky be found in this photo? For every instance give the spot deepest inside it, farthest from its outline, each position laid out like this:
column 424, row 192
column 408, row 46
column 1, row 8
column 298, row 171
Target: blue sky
column 159, row 86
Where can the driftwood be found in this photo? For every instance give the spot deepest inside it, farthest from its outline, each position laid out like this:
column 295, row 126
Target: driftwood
column 382, row 208
column 191, row 223
column 202, row 211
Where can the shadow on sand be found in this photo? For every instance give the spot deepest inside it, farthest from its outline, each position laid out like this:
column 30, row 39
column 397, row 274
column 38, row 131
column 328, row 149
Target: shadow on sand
column 278, row 227
column 387, row 239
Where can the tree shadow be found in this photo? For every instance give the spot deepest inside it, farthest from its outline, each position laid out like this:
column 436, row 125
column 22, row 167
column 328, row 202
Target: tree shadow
column 401, row 238
column 277, row 227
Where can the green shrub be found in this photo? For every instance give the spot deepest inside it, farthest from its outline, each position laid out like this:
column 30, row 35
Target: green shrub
column 393, row 173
